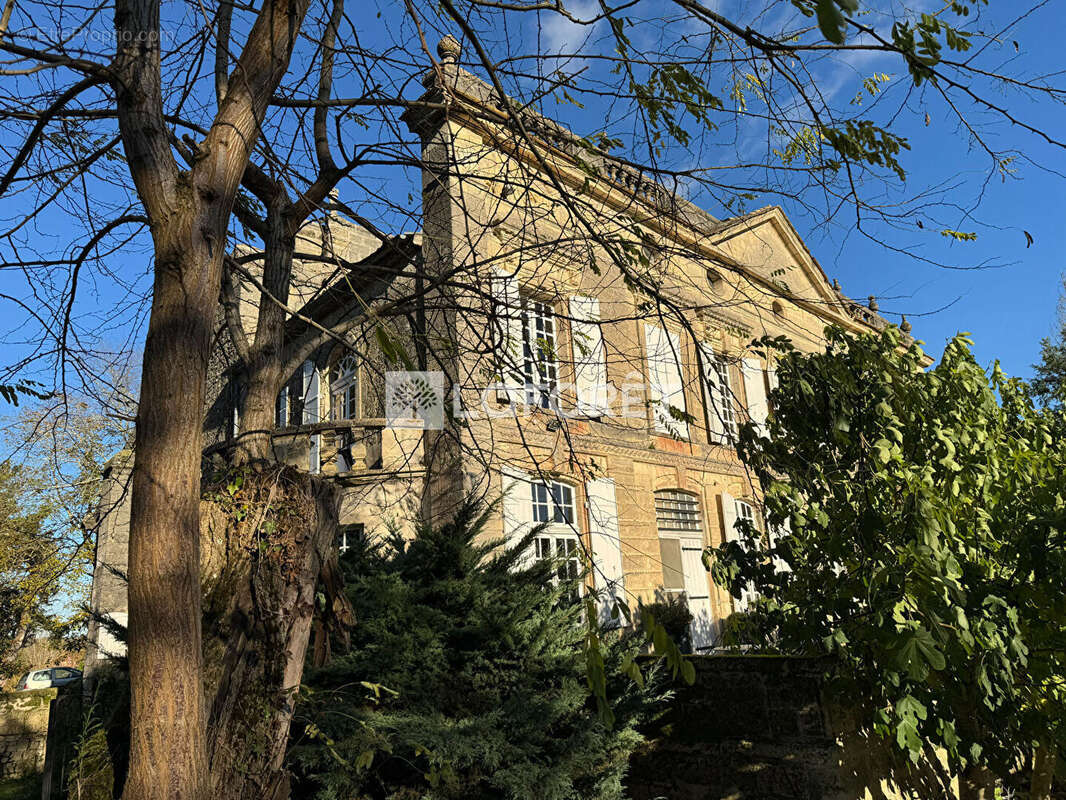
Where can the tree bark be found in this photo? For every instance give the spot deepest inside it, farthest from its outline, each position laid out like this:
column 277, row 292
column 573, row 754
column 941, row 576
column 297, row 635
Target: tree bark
column 1044, row 759
column 166, row 667
column 284, row 542
column 188, row 214
column 263, row 367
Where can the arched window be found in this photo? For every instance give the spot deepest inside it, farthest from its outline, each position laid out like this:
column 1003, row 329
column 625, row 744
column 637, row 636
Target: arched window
column 344, row 388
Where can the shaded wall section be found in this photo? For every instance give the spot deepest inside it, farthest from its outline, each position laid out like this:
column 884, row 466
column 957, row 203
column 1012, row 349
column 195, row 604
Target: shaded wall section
column 760, row 728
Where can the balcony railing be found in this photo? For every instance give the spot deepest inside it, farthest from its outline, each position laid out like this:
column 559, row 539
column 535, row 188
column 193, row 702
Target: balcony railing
column 351, row 446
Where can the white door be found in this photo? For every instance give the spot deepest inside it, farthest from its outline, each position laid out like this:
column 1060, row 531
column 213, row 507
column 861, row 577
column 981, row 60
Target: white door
column 698, row 592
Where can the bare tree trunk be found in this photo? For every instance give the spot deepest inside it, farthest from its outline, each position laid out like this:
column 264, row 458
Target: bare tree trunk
column 267, row 629
column 166, row 664
column 189, row 213
column 1044, row 759
column 264, row 354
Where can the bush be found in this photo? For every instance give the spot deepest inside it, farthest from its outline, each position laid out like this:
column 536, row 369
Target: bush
column 465, row 679
column 676, row 619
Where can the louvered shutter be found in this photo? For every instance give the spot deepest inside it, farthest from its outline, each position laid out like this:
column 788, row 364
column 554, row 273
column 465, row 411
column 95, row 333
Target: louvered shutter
column 590, row 356
column 507, row 336
column 703, row 631
column 664, row 379
column 606, row 543
column 729, row 517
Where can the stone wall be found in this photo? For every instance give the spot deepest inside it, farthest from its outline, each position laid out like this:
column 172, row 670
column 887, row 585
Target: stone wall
column 759, row 728
column 24, row 732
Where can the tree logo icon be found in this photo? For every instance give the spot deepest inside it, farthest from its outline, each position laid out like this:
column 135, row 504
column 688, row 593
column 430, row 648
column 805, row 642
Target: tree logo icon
column 414, row 400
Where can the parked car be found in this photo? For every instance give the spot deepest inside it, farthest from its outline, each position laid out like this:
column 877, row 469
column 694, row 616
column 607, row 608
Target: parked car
column 47, row 678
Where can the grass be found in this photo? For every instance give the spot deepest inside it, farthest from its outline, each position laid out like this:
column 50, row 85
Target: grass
column 21, row 788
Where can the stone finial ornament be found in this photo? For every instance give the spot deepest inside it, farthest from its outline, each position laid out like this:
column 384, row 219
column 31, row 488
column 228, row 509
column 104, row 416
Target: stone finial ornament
column 836, row 284
column 872, row 305
column 449, row 49
column 905, row 325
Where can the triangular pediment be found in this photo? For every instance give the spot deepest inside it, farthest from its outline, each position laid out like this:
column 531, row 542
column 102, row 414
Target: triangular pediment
column 767, row 245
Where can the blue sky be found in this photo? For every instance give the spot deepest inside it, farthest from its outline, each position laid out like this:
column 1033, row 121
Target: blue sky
column 1008, row 302
column 1008, row 305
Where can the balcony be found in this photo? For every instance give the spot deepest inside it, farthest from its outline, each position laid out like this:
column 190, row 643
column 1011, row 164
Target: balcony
column 351, row 447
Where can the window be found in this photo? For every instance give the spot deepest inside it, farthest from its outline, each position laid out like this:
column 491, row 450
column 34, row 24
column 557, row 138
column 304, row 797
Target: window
column 539, row 365
column 722, row 419
column 745, row 511
column 344, row 389
column 347, row 536
column 677, row 511
column 680, row 524
column 553, row 503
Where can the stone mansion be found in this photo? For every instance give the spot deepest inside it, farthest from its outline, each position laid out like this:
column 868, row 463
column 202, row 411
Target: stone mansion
column 592, row 334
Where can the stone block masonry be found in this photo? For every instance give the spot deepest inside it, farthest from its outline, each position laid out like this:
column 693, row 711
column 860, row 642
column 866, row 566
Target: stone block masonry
column 760, row 728
column 24, row 732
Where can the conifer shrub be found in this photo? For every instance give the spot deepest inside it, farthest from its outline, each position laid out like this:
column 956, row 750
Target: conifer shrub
column 465, row 678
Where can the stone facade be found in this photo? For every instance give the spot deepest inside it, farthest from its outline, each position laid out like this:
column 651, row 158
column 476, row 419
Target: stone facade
column 108, row 596
column 587, row 246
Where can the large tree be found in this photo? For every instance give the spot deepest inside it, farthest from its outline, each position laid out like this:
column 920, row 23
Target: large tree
column 916, row 523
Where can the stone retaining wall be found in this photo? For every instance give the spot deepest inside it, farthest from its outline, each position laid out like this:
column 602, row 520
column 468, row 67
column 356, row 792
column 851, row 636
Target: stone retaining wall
column 759, row 728
column 24, row 731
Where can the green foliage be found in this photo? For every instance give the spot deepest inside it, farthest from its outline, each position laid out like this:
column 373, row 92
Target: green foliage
column 862, row 141
column 11, row 392
column 927, row 549
column 467, row 678
column 675, row 618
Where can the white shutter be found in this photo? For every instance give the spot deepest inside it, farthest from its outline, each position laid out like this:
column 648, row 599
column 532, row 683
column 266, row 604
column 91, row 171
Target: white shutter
column 698, row 594
column 755, row 389
column 729, row 517
column 590, row 356
column 517, row 508
column 714, row 393
column 664, row 379
column 606, row 543
column 311, row 415
column 507, row 336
